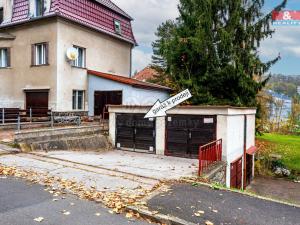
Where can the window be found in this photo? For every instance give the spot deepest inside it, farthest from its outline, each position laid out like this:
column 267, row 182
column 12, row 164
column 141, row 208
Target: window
column 39, row 7
column 1, row 15
column 40, row 54
column 80, row 61
column 4, row 57
column 78, row 100
column 118, row 28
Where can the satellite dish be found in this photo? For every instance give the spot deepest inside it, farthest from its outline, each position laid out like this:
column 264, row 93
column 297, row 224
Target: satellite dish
column 72, row 54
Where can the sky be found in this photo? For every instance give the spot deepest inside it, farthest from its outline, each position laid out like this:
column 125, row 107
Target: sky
column 149, row 14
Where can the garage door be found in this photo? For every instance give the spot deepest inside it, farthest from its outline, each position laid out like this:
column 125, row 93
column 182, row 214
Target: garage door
column 186, row 133
column 133, row 132
column 236, row 174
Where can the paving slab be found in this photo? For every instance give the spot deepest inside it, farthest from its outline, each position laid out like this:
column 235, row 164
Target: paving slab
column 141, row 164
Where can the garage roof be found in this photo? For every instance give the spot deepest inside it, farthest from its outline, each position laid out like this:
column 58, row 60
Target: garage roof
column 128, row 81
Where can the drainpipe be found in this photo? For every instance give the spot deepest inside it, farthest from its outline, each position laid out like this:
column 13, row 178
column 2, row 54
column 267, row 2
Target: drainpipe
column 245, row 152
column 130, row 69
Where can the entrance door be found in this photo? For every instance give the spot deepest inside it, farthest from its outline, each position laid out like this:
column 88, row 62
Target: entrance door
column 186, row 133
column 133, row 132
column 236, row 173
column 37, row 101
column 103, row 98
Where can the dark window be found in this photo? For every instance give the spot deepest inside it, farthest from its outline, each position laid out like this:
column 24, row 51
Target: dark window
column 118, row 27
column 39, row 7
column 78, row 100
column 1, row 15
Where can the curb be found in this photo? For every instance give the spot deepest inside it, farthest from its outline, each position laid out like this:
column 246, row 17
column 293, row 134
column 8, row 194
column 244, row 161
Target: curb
column 158, row 217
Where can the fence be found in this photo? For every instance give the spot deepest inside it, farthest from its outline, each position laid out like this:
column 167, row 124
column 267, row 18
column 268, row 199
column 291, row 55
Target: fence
column 209, row 154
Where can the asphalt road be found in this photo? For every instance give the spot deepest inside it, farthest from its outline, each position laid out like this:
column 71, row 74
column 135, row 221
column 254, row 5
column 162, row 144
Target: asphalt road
column 22, row 202
column 222, row 207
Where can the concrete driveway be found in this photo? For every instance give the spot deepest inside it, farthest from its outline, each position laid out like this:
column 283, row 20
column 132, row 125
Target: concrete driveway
column 108, row 171
column 140, row 164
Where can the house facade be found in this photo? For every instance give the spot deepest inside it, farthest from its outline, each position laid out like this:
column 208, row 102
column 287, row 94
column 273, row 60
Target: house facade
column 35, row 36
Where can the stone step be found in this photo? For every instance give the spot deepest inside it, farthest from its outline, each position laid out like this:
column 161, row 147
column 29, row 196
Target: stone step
column 44, row 135
column 96, row 142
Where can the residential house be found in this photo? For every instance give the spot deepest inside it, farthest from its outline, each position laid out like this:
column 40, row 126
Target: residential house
column 36, row 36
column 146, row 74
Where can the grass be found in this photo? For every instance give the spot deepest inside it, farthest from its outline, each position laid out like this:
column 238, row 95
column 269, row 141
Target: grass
column 286, row 145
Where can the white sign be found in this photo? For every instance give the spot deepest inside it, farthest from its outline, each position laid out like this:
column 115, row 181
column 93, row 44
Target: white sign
column 159, row 109
column 208, row 120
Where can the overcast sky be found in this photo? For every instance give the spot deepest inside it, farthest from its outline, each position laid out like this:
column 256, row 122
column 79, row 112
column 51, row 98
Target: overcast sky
column 149, row 14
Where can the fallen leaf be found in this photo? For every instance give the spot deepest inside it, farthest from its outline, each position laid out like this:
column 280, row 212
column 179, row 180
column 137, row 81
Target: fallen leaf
column 97, row 214
column 197, row 214
column 39, row 219
column 66, row 212
column 215, row 211
column 129, row 215
column 201, row 212
column 72, row 203
column 55, row 200
column 208, row 222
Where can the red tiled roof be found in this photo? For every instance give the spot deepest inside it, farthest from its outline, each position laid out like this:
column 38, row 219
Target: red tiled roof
column 146, row 74
column 127, row 80
column 96, row 14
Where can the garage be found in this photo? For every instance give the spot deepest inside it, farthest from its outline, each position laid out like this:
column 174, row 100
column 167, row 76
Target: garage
column 236, row 173
column 135, row 133
column 186, row 133
column 184, row 129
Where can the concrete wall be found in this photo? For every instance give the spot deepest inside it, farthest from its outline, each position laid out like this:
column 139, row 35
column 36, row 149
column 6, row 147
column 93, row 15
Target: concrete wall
column 103, row 53
column 131, row 95
column 22, row 75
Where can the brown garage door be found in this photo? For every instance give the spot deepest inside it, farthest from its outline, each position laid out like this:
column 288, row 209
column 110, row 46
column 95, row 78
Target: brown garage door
column 236, row 174
column 186, row 133
column 135, row 133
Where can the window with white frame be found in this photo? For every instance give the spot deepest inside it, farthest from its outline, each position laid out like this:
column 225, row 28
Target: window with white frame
column 40, row 54
column 78, row 100
column 4, row 57
column 80, row 61
column 118, row 27
column 39, row 7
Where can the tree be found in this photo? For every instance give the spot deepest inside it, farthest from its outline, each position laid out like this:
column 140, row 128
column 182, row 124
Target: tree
column 212, row 49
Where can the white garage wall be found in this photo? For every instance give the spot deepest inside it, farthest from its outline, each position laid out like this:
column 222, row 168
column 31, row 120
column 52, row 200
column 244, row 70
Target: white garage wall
column 235, row 141
column 131, row 95
column 250, row 131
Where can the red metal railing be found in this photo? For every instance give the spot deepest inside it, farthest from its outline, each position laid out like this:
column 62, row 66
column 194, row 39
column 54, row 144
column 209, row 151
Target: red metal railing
column 209, row 154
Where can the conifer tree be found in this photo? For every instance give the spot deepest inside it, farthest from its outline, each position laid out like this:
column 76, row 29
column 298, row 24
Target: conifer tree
column 212, row 48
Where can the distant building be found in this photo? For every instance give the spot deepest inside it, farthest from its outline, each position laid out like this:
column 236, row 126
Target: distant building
column 146, row 74
column 281, row 106
column 298, row 90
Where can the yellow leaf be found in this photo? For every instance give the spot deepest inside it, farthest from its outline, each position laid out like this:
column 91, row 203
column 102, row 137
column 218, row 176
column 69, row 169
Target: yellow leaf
column 39, row 219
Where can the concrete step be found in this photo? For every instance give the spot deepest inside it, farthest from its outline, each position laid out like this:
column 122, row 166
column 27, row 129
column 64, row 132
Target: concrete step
column 32, row 136
column 95, row 142
column 216, row 173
